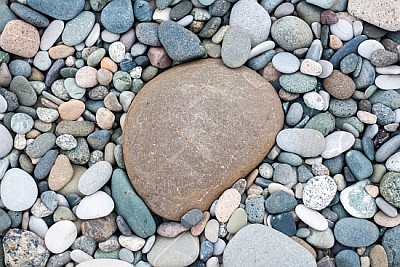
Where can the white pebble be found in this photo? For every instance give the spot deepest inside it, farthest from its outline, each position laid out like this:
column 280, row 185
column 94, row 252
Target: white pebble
column 60, row 236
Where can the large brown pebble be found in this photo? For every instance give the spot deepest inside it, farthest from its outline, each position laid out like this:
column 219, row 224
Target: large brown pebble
column 196, row 129
column 61, row 173
column 100, row 229
column 339, row 85
column 71, row 110
column 20, row 38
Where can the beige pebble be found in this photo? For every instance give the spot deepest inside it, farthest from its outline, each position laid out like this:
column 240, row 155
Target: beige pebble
column 20, row 38
column 72, row 186
column 170, row 229
column 105, row 118
column 61, row 51
column 287, row 96
column 334, row 42
column 378, row 257
column 366, row 117
column 201, row 225
column 372, row 190
column 227, row 203
column 104, row 76
column 340, row 181
column 219, row 35
column 133, row 243
column 365, row 261
column 5, row 75
column 382, row 219
column 275, row 187
column 310, row 67
column 254, row 190
column 109, row 153
column 86, row 77
column 61, row 173
column 251, row 177
column 19, row 141
column 111, row 102
column 108, row 64
column 211, row 231
column 71, row 110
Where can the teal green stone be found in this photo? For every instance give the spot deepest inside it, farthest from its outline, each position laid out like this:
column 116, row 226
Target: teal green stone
column 122, row 81
column 68, row 72
column 322, row 122
column 359, row 165
column 106, row 255
column 389, row 188
column 73, row 89
column 95, row 57
column 388, row 98
column 353, row 121
column 130, row 206
column 298, row 82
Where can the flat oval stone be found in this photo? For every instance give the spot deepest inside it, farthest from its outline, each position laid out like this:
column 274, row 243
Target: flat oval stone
column 95, row 206
column 18, row 190
column 104, row 262
column 336, row 143
column 208, row 103
column 60, row 9
column 304, row 142
column 31, row 16
column 311, row 217
column 354, row 232
column 359, row 164
column 387, row 82
column 78, row 29
column 258, row 243
column 60, row 236
column 235, row 47
column 318, row 192
column 298, row 82
column 118, row 8
column 286, row 62
column 95, row 177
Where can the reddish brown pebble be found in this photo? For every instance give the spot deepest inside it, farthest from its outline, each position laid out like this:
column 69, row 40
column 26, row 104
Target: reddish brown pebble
column 339, row 85
column 20, row 38
column 159, row 58
column 199, row 227
column 329, row 17
column 61, row 173
column 170, row 229
column 201, row 125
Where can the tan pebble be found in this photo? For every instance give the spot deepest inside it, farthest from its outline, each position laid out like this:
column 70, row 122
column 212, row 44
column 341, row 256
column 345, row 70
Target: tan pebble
column 254, row 190
column 199, row 227
column 251, row 177
column 109, row 153
column 105, row 118
column 287, row 96
column 378, row 257
column 86, row 77
column 334, row 42
column 61, row 51
column 108, row 64
column 382, row 219
column 305, row 245
column 365, row 261
column 196, row 26
column 71, row 110
column 111, row 102
column 20, row 38
column 219, row 35
column 133, row 243
column 366, row 117
column 170, row 229
column 36, row 75
column 61, row 173
column 227, row 203
column 299, row 191
column 310, row 67
column 211, row 231
column 372, row 190
column 274, row 187
column 32, row 134
column 274, row 152
column 19, row 142
column 104, row 77
column 72, row 186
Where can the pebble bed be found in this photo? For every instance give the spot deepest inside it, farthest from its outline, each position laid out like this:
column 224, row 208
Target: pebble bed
column 327, row 194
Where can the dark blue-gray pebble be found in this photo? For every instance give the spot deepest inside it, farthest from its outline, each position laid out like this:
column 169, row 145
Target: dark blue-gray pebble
column 117, row 17
column 162, row 4
column 348, row 48
column 60, row 9
column 198, row 263
column 191, row 218
column 29, row 15
column 127, row 65
column 355, row 232
column 86, row 244
column 45, row 164
column 366, row 76
column 59, row 260
column 142, row 61
column 304, row 174
column 335, row 165
column 5, row 221
column 343, row 108
column 123, row 227
column 73, row 199
column 263, row 182
column 359, row 165
column 181, row 10
column 391, row 244
column 49, row 198
column 99, row 139
column 171, row 34
column 147, row 33
column 385, row 115
column 219, row 8
column 290, row 158
column 349, row 63
column 20, row 67
column 6, row 16
column 255, row 209
column 54, row 72
column 280, row 202
column 284, row 223
column 368, row 147
column 93, row 105
column 210, row 28
column 347, row 258
column 261, row 61
column 206, row 250
column 11, row 99
column 143, row 10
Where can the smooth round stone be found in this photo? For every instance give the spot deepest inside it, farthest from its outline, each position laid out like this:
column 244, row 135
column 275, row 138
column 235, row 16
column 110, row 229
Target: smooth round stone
column 343, row 108
column 359, row 164
column 41, row 145
column 387, row 149
column 237, row 221
column 20, row 38
column 294, row 114
column 51, row 34
column 298, row 82
column 382, row 219
column 349, row 63
column 265, row 245
column 253, row 18
column 236, row 47
column 164, row 250
column 285, row 62
column 95, row 177
column 95, row 206
column 354, row 232
column 118, row 8
column 357, row 201
column 342, row 29
column 104, row 262
column 339, row 85
column 122, row 81
column 47, row 115
column 60, row 236
column 382, row 58
column 23, row 90
column 293, row 140
column 173, row 205
column 388, row 82
column 280, row 202
column 388, row 187
column 310, row 67
column 171, row 34
column 378, row 256
column 6, row 141
column 20, row 67
column 143, row 10
column 42, row 61
column 336, row 143
column 147, row 33
column 368, row 47
column 291, row 33
column 74, row 91
column 18, row 190
column 347, row 258
column 311, row 217
column 191, row 218
column 318, row 192
column 78, row 29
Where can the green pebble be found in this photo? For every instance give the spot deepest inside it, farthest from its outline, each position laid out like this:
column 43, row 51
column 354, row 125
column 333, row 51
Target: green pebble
column 122, row 81
column 298, row 82
column 322, row 122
